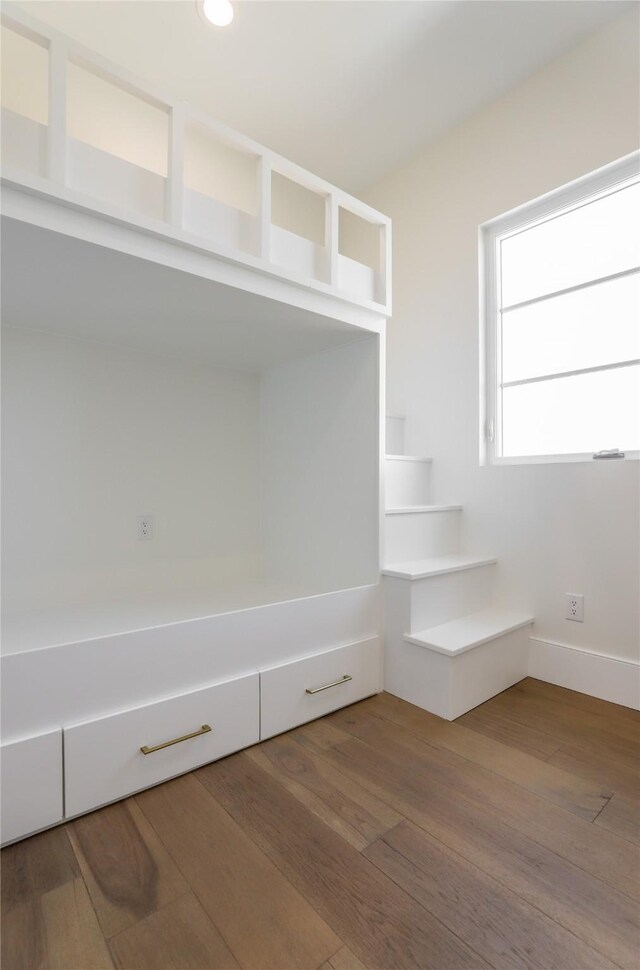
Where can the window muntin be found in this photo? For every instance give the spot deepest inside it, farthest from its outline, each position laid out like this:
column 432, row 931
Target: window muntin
column 564, row 333
column 563, row 321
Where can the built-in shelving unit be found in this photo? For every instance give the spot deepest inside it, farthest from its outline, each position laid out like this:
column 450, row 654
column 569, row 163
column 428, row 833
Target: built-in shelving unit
column 193, row 335
column 81, row 130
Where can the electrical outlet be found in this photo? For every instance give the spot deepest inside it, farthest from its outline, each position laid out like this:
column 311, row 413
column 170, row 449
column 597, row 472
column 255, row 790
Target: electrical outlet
column 145, row 527
column 574, row 606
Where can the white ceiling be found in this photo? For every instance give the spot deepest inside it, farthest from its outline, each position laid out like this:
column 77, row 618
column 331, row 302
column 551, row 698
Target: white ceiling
column 346, row 88
column 94, row 293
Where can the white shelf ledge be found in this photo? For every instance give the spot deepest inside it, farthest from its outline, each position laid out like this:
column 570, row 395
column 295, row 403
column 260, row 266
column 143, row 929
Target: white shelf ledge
column 435, row 566
column 411, row 509
column 407, row 458
column 459, row 636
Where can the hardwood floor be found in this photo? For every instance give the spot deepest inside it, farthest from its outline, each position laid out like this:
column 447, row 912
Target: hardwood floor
column 378, row 837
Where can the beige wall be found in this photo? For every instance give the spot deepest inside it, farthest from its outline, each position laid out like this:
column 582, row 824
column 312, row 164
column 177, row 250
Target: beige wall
column 24, row 83
column 557, row 527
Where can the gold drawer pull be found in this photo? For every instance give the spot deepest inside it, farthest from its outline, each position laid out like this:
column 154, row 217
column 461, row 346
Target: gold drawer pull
column 336, row 683
column 166, row 744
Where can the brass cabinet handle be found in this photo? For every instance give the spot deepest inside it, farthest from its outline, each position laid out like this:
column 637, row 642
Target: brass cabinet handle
column 166, row 744
column 336, row 683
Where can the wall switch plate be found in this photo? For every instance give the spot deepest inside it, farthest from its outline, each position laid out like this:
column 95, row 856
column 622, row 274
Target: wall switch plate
column 574, row 606
column 145, row 527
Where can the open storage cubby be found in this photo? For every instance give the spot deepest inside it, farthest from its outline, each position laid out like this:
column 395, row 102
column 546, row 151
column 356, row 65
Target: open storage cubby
column 362, row 255
column 299, row 228
column 247, row 428
column 25, row 100
column 116, row 142
column 220, row 190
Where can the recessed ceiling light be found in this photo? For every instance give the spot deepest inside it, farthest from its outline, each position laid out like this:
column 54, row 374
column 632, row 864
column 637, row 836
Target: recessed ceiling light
column 218, row 12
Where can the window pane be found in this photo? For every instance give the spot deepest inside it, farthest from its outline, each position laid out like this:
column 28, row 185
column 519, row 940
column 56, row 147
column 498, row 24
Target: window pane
column 598, row 325
column 598, row 239
column 573, row 414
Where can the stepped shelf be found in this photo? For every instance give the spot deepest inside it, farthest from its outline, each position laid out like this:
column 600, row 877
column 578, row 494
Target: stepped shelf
column 79, row 131
column 412, row 509
column 448, row 646
column 435, row 566
column 459, row 636
column 408, row 458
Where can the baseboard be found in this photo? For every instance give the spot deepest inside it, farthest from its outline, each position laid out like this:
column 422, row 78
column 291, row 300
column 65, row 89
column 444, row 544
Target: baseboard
column 589, row 673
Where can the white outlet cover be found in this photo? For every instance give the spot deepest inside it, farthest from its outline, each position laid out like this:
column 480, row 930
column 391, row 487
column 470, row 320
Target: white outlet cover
column 145, row 527
column 574, row 607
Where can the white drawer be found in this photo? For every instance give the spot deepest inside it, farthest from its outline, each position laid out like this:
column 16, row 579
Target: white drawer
column 103, row 760
column 302, row 690
column 31, row 784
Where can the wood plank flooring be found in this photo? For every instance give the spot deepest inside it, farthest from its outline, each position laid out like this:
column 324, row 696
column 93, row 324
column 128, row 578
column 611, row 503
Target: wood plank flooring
column 380, row 837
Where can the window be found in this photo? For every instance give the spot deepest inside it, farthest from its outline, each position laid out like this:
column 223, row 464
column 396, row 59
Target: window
column 561, row 279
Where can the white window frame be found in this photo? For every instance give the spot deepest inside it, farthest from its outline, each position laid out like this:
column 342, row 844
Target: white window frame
column 625, row 170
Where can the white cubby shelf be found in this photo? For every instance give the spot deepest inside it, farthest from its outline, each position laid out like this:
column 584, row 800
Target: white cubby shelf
column 102, row 140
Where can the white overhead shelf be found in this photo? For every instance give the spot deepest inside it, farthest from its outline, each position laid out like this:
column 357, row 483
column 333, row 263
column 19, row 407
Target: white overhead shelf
column 179, row 176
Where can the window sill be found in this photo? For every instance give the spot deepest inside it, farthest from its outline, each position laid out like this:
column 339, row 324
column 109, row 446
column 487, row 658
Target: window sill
column 562, row 459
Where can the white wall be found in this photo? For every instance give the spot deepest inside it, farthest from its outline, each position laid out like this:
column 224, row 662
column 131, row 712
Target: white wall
column 319, row 457
column 560, row 527
column 95, row 435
